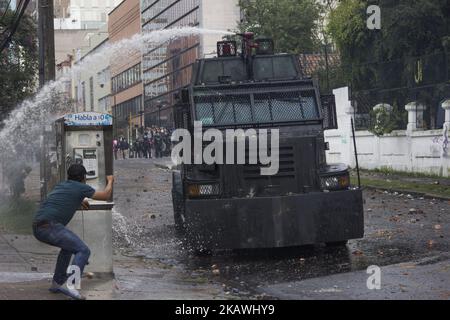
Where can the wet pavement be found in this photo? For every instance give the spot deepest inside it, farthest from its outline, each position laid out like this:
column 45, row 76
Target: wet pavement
column 399, row 229
column 407, row 237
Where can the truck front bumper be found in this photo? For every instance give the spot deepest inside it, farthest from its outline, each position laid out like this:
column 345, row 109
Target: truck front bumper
column 275, row 222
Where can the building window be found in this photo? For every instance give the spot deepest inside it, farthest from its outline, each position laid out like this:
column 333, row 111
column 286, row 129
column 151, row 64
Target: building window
column 91, row 91
column 126, row 79
column 103, row 77
column 76, row 98
column 124, row 110
column 104, row 104
column 83, row 95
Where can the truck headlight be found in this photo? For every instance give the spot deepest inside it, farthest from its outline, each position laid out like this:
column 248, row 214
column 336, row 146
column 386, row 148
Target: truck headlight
column 334, row 183
column 203, row 190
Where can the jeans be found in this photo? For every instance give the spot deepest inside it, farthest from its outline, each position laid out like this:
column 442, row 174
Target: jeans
column 55, row 234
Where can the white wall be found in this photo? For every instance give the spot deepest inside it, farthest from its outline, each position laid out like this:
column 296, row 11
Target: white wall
column 415, row 151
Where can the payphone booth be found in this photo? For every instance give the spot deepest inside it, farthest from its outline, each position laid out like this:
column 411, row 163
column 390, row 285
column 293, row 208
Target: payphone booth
column 87, row 138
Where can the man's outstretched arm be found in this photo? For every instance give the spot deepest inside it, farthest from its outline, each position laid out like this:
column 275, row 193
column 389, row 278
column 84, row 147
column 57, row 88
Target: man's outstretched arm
column 106, row 194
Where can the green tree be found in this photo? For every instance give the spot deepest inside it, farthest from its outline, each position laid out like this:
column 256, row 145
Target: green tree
column 18, row 64
column 291, row 23
column 413, row 36
column 409, row 28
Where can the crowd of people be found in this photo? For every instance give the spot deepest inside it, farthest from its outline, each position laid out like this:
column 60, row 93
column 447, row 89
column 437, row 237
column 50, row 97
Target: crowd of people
column 154, row 143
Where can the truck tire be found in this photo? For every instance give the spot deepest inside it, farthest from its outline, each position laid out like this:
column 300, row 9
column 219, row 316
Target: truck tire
column 178, row 212
column 337, row 243
column 178, row 203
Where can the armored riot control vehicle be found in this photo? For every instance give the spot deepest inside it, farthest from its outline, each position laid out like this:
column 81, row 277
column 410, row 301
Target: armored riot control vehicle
column 233, row 206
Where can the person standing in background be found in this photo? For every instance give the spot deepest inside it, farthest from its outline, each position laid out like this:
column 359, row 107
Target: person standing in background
column 124, row 146
column 115, row 148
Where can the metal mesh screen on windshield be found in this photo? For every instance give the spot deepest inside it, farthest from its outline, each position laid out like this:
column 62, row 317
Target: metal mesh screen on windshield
column 217, row 108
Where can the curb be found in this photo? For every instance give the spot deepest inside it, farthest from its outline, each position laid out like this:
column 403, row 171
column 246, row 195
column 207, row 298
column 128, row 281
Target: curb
column 413, row 193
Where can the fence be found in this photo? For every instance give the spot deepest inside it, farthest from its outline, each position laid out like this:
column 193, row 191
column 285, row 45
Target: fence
column 425, row 79
column 410, row 150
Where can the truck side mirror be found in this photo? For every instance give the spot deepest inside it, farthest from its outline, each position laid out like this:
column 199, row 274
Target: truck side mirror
column 329, row 112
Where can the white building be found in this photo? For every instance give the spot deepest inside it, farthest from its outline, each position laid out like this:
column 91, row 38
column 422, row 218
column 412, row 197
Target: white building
column 76, row 21
column 167, row 68
column 91, row 87
column 83, row 14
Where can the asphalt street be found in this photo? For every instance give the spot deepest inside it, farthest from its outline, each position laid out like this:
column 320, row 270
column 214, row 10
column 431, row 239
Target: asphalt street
column 407, row 237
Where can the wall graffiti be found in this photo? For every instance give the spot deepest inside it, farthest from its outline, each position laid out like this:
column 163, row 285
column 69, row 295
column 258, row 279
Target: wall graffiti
column 443, row 141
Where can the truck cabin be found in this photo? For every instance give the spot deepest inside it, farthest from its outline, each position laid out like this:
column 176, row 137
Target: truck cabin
column 260, row 90
column 264, row 90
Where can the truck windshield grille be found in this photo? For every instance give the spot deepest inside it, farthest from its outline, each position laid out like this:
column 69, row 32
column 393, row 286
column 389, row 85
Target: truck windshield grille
column 217, row 108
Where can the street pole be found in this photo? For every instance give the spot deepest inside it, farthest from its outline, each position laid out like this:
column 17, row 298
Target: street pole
column 47, row 73
column 46, row 37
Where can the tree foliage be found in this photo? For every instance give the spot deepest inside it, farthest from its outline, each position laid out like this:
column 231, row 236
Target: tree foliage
column 404, row 61
column 18, row 64
column 291, row 23
column 409, row 28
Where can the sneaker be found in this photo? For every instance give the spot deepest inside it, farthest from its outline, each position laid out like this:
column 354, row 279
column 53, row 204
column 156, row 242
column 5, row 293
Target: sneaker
column 72, row 293
column 55, row 287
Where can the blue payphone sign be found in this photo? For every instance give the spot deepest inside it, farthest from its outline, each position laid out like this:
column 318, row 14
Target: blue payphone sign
column 88, row 119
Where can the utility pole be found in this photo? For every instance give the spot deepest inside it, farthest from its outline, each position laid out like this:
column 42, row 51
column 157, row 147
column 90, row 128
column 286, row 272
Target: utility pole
column 47, row 73
column 46, row 42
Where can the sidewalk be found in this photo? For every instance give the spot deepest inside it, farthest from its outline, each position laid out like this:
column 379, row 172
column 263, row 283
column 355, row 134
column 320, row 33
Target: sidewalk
column 24, row 272
column 417, row 185
column 25, row 265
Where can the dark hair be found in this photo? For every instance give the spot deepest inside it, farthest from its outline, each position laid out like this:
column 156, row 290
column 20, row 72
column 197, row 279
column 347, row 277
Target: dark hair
column 76, row 172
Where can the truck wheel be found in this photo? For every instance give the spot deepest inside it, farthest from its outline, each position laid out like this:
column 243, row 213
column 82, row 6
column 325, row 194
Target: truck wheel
column 178, row 212
column 337, row 243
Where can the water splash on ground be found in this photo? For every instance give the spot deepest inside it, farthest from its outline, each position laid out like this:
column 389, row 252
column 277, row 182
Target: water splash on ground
column 121, row 230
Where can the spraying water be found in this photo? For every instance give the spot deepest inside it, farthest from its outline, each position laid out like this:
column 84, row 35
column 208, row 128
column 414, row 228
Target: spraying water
column 120, row 227
column 19, row 138
column 21, row 131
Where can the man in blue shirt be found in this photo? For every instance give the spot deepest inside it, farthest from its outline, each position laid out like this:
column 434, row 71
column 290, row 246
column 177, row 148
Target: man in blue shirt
column 55, row 213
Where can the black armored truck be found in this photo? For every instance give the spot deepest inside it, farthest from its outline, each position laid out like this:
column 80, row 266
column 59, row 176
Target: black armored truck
column 234, row 206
